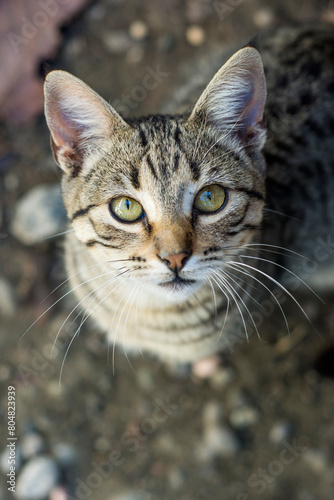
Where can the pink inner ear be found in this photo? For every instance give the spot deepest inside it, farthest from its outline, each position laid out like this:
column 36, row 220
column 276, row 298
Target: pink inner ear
column 65, row 131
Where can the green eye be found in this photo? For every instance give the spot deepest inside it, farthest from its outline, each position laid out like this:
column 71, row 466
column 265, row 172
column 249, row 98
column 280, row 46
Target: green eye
column 210, row 199
column 126, row 209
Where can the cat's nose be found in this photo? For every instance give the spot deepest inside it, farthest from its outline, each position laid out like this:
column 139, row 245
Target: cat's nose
column 176, row 261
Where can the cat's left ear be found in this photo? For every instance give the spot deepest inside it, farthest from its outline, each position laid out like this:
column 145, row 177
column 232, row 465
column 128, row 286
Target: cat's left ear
column 233, row 102
column 78, row 118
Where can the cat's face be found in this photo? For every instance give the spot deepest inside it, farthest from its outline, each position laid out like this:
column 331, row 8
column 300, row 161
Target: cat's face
column 166, row 199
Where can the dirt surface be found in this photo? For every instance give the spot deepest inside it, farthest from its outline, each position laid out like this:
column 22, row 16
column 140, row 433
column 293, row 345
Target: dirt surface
column 263, row 426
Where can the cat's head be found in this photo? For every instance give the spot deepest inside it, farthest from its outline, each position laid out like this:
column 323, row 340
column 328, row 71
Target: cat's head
column 167, row 197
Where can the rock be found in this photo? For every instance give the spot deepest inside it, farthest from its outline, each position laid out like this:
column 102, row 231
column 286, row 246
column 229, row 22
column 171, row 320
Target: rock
column 264, row 18
column 37, row 479
column 206, row 367
column 243, row 417
column 117, row 42
column 59, row 493
column 316, row 460
column 8, row 302
column 145, row 379
column 65, row 454
column 32, row 444
column 39, row 214
column 135, row 55
column 218, row 441
column 212, row 414
column 222, row 378
column 138, row 30
column 280, row 432
column 195, row 35
column 4, row 465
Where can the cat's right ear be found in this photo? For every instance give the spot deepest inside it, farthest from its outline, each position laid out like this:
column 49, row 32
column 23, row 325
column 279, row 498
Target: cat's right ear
column 233, row 102
column 78, row 119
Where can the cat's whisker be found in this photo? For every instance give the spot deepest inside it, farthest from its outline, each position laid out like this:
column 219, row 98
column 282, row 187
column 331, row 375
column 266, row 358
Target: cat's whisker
column 222, row 273
column 281, row 213
column 268, row 290
column 228, row 273
column 214, row 297
column 243, row 264
column 225, row 154
column 136, row 311
column 137, row 289
column 199, row 137
column 86, row 315
column 65, row 356
column 79, row 272
column 63, row 297
column 222, row 283
column 288, row 250
column 285, row 269
column 103, row 286
column 55, row 235
column 119, row 320
column 227, row 134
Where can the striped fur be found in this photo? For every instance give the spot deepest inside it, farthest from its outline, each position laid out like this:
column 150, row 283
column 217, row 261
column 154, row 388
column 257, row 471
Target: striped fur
column 118, row 270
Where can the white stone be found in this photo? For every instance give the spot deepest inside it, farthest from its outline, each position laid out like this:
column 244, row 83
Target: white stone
column 37, row 479
column 32, row 443
column 39, row 214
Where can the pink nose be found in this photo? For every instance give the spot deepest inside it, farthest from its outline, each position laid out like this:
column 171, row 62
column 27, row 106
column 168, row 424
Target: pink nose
column 176, row 261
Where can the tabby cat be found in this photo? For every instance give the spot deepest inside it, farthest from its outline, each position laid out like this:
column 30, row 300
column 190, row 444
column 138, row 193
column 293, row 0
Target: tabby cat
column 184, row 223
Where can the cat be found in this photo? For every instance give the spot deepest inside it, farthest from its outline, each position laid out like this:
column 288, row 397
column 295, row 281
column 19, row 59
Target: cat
column 183, row 223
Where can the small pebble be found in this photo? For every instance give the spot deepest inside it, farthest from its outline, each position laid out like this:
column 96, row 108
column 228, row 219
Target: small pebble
column 97, row 12
column 243, row 417
column 218, row 441
column 176, row 479
column 117, row 42
column 4, row 456
column 328, row 16
column 279, row 432
column 264, row 18
column 212, row 413
column 102, row 444
column 316, row 460
column 165, row 42
column 37, row 479
column 195, row 35
column 65, row 454
column 222, row 378
column 8, row 302
column 145, row 379
column 206, row 367
column 59, row 493
column 32, row 443
column 138, row 30
column 134, row 55
column 40, row 214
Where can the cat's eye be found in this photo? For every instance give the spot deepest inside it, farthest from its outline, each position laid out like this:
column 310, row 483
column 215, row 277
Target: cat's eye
column 126, row 209
column 210, row 199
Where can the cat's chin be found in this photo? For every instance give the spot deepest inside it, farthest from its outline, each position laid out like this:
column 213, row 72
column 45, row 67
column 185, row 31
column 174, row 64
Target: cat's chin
column 177, row 291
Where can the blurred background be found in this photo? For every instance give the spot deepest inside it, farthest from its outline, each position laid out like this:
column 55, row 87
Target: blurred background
column 262, row 426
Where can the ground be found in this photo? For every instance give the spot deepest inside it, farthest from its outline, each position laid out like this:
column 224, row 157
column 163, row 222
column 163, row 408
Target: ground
column 262, row 427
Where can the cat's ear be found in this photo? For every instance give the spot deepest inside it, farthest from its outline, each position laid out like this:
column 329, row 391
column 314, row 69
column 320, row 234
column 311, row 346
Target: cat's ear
column 234, row 100
column 78, row 119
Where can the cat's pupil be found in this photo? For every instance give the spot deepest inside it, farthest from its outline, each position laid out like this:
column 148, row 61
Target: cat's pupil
column 127, row 204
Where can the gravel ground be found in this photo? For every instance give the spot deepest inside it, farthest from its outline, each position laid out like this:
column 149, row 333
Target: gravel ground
column 262, row 426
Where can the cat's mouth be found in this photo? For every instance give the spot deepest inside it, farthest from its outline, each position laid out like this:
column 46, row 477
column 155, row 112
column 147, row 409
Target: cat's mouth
column 177, row 283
